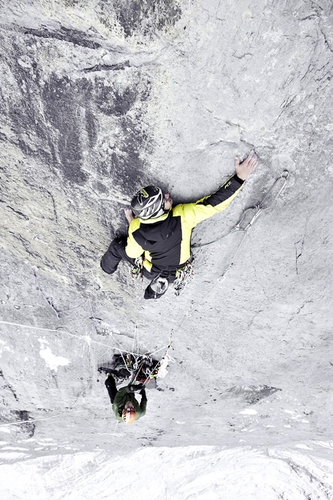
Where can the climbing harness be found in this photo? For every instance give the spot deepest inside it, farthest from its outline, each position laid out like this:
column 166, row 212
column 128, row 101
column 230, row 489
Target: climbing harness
column 137, row 369
column 137, row 270
column 152, row 368
column 183, row 276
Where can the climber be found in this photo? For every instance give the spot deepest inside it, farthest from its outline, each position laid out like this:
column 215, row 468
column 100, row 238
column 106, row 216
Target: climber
column 159, row 236
column 124, row 404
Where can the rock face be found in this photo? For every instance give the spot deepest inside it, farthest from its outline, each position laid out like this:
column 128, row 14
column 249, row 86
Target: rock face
column 101, row 97
column 73, row 125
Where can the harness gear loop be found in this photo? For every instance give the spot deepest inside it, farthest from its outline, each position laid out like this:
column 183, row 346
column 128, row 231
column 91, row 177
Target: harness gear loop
column 137, row 270
column 183, row 276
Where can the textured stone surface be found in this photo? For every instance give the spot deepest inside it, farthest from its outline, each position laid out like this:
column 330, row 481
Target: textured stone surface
column 101, row 97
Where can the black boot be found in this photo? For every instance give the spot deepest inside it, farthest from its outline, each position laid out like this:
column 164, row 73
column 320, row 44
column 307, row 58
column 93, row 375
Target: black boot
column 156, row 288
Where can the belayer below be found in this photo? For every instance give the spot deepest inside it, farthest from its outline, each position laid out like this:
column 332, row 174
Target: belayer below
column 159, row 236
column 124, row 404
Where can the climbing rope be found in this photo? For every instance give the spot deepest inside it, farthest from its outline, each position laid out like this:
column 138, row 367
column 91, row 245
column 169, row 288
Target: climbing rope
column 243, row 225
column 262, row 205
column 88, row 341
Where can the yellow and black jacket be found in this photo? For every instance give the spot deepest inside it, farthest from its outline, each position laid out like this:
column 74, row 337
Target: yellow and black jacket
column 165, row 240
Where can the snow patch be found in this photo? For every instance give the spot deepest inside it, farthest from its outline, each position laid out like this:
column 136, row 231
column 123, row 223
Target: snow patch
column 51, row 360
column 248, row 411
column 303, row 447
column 4, row 347
column 4, row 429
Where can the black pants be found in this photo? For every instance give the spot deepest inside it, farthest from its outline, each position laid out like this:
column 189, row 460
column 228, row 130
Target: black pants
column 111, row 387
column 115, row 253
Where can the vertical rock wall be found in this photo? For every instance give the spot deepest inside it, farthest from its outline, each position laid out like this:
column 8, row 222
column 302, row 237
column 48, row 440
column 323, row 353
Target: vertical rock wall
column 101, row 97
column 74, row 138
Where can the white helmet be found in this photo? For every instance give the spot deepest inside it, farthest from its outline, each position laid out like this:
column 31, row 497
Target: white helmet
column 148, row 202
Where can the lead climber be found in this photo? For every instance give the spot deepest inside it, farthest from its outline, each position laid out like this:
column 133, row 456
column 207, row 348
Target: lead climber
column 159, row 236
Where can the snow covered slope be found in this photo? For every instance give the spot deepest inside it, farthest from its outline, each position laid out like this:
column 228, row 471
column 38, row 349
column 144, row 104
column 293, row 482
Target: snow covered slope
column 182, row 473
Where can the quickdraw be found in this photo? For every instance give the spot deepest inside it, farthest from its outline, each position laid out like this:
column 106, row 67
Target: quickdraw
column 183, row 276
column 137, row 270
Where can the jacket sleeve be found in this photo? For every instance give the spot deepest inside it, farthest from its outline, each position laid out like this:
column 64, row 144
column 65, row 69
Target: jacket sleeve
column 133, row 249
column 206, row 207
